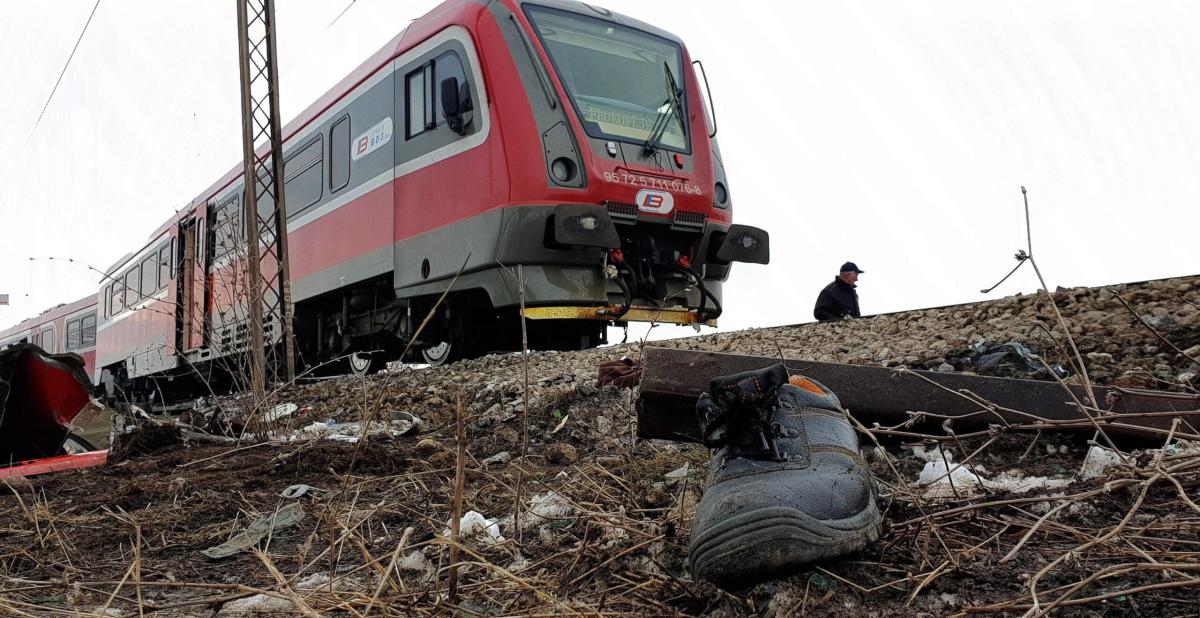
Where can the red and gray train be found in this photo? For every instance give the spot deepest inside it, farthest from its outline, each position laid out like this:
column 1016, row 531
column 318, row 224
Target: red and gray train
column 558, row 136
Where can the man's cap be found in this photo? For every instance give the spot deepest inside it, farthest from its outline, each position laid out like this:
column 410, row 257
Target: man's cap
column 851, row 267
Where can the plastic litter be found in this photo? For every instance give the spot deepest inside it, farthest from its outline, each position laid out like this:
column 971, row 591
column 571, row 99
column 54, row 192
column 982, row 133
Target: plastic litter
column 678, row 474
column 296, row 491
column 1008, row 359
column 280, row 411
column 258, row 530
column 404, row 423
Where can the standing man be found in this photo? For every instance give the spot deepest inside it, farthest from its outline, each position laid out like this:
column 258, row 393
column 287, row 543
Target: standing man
column 839, row 299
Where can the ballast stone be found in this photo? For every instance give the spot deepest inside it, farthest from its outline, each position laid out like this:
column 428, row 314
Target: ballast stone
column 787, row 485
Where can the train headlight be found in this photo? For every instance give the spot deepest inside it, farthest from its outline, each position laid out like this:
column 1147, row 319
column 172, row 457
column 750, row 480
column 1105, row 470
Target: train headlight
column 721, row 194
column 563, row 169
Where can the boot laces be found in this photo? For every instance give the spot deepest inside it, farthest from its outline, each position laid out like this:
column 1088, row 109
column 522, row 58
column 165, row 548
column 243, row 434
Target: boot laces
column 743, row 422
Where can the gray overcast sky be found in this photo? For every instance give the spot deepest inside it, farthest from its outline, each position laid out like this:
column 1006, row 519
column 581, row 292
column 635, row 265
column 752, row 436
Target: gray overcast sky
column 894, row 134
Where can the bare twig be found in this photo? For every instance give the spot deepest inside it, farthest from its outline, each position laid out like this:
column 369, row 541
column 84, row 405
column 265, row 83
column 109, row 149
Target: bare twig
column 460, row 439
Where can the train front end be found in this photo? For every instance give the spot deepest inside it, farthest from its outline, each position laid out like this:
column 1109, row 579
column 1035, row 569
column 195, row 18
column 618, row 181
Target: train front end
column 635, row 167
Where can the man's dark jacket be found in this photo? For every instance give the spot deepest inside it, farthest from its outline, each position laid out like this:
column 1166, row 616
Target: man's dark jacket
column 837, row 300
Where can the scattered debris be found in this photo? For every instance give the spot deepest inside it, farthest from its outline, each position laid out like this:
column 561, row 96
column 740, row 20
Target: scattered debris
column 405, row 423
column 474, row 525
column 678, row 474
column 1098, row 461
column 1012, row 359
column 286, row 517
column 257, row 604
column 297, row 491
column 351, row 432
column 543, row 509
column 41, row 394
column 417, row 562
column 500, row 458
column 622, row 373
column 280, row 411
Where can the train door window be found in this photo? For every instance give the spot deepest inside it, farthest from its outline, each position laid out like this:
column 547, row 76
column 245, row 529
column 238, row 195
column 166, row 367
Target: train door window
column 227, row 228
column 339, row 154
column 117, row 294
column 445, row 66
column 200, row 241
column 87, row 331
column 164, row 263
column 303, row 173
column 132, row 289
column 149, row 275
column 48, row 343
column 418, row 101
column 74, row 336
column 106, row 301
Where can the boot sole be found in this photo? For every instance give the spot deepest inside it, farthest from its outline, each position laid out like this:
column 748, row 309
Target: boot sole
column 764, row 543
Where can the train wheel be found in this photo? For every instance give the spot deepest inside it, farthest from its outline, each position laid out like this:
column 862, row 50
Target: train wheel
column 365, row 363
column 441, row 353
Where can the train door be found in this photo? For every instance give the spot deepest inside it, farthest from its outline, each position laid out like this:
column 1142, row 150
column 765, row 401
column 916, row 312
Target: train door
column 193, row 287
column 46, row 341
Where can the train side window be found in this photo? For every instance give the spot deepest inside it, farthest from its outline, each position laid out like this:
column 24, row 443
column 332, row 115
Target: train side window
column 339, row 154
column 87, row 330
column 149, row 275
column 303, row 173
column 74, row 336
column 445, row 66
column 418, row 101
column 164, row 263
column 47, row 340
column 132, row 288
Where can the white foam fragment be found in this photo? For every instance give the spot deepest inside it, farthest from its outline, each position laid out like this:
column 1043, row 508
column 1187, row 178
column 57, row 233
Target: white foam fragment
column 474, row 525
column 1015, row 482
column 314, row 581
column 543, row 508
column 933, row 454
column 257, row 604
column 946, row 479
column 417, row 562
column 1097, row 461
column 942, row 481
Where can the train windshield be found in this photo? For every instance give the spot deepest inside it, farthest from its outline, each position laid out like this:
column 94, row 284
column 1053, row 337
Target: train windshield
column 620, row 79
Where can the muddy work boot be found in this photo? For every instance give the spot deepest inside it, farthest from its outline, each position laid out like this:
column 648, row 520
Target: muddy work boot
column 787, row 485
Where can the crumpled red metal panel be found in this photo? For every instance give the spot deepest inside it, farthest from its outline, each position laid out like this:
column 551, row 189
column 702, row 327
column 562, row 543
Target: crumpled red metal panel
column 40, row 394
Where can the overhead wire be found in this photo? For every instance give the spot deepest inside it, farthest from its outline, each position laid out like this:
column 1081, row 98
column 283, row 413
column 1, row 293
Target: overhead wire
column 65, row 66
column 339, row 15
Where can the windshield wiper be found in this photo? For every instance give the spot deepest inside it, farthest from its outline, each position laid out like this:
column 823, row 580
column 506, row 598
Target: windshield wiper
column 671, row 107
